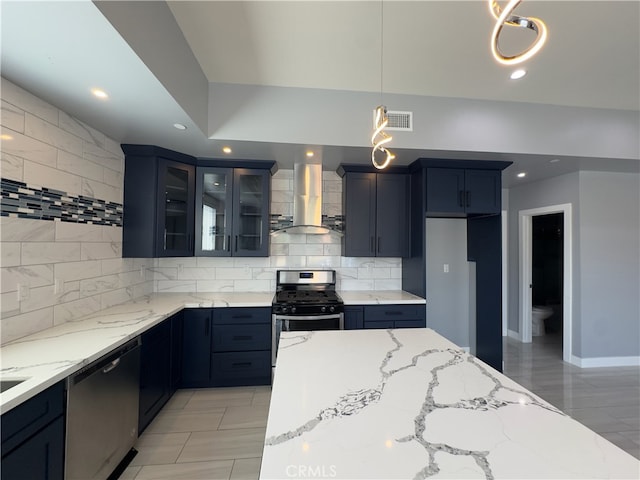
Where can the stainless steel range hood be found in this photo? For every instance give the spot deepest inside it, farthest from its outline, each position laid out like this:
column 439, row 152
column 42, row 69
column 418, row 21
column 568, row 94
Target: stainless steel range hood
column 307, row 200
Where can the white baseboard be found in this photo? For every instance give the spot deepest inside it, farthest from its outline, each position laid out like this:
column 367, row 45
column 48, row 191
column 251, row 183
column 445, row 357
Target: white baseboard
column 514, row 335
column 605, row 362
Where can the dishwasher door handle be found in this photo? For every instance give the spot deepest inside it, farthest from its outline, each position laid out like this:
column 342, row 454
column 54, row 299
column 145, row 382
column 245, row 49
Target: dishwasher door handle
column 111, row 366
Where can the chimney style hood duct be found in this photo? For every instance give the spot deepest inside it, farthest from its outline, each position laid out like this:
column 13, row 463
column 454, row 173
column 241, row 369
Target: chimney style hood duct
column 307, row 200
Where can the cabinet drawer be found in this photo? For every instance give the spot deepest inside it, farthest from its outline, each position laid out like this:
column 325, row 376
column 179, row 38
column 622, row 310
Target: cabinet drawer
column 238, row 338
column 241, row 368
column 379, row 313
column 380, row 324
column 242, row 315
column 33, row 415
column 410, row 324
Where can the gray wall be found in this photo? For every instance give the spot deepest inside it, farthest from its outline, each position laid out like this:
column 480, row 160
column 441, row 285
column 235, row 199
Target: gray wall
column 610, row 264
column 606, row 246
column 299, row 115
column 448, row 293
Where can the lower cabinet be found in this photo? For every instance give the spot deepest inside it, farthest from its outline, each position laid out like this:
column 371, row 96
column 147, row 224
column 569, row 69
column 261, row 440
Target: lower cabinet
column 241, row 349
column 353, row 317
column 33, row 437
column 160, row 370
column 226, row 347
column 392, row 316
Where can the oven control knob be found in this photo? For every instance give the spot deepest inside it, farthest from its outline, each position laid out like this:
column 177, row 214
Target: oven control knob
column 323, row 309
column 332, row 309
column 293, row 309
column 284, row 309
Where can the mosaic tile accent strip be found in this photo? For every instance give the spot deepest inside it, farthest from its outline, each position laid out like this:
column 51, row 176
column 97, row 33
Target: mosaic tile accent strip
column 278, row 222
column 17, row 199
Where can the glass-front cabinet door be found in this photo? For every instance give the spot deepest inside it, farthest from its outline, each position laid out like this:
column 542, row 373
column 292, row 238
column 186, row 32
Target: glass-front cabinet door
column 175, row 212
column 251, row 212
column 213, row 211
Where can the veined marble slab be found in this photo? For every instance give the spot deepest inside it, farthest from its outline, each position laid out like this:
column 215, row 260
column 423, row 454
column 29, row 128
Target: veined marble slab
column 51, row 355
column 409, row 404
column 379, row 297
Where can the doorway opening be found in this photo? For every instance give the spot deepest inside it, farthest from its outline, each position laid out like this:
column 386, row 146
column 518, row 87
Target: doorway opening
column 546, row 279
column 545, row 275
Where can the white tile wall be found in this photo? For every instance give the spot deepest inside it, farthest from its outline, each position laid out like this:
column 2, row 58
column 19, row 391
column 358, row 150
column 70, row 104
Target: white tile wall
column 287, row 251
column 64, row 270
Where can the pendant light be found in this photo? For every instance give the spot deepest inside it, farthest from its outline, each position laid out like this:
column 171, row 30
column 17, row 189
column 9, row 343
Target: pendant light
column 380, row 137
column 506, row 17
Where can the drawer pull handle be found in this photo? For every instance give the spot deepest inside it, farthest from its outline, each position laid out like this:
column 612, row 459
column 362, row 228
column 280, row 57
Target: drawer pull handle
column 240, row 316
column 241, row 364
column 242, row 337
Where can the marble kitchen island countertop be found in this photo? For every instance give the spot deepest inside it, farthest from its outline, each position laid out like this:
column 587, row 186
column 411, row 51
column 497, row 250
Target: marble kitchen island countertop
column 409, row 404
column 51, row 355
column 379, row 297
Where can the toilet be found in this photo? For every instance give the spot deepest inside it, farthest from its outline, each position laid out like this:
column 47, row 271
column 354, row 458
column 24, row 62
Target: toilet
column 538, row 315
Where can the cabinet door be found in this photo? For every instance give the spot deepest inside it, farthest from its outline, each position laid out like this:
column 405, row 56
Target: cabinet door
column 483, row 191
column 175, row 220
column 196, row 348
column 392, row 215
column 353, row 318
column 250, row 213
column 214, row 187
column 155, row 372
column 359, row 207
column 41, row 456
column 445, row 191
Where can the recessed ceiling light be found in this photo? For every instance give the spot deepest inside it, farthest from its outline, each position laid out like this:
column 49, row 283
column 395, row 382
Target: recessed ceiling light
column 99, row 93
column 555, row 160
column 226, row 149
column 309, row 154
column 521, row 175
column 516, row 74
column 6, row 136
column 179, row 126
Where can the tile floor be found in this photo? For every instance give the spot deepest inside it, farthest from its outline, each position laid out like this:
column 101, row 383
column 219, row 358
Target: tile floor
column 209, row 434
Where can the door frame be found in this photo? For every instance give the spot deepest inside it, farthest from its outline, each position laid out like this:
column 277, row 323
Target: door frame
column 525, row 250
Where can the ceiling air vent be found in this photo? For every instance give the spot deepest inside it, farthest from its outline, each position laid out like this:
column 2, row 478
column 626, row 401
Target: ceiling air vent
column 400, row 121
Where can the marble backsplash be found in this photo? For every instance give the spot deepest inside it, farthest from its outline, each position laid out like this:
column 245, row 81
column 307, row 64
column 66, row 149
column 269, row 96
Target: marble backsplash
column 60, row 229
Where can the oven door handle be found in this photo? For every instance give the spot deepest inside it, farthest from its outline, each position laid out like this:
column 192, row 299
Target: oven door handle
column 308, row 317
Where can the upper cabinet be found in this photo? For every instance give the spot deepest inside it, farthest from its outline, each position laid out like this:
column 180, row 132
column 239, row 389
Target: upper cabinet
column 461, row 192
column 176, row 205
column 376, row 209
column 159, row 189
column 232, row 212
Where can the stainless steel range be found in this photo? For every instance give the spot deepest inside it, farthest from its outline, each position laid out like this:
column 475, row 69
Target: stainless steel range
column 305, row 300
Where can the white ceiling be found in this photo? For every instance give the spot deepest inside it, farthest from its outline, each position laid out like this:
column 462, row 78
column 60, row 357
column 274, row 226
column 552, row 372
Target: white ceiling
column 58, row 50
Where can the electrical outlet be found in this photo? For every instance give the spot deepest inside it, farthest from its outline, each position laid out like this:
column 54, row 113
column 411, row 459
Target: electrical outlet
column 446, row 268
column 180, row 268
column 58, row 286
column 142, row 271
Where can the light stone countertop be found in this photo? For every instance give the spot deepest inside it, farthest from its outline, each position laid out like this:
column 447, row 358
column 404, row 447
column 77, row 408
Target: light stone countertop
column 51, row 355
column 409, row 404
column 379, row 297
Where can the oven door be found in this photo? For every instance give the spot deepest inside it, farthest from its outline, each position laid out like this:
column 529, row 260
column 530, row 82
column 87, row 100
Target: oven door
column 301, row 323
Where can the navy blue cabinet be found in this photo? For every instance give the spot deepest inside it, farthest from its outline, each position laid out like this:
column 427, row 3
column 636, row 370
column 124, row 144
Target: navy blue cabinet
column 33, row 437
column 232, row 212
column 395, row 316
column 460, row 192
column 353, row 317
column 384, row 316
column 196, row 347
column 241, row 353
column 226, row 347
column 159, row 195
column 160, row 367
column 376, row 209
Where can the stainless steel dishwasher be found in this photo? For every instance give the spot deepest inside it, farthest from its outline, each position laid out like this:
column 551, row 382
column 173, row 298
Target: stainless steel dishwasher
column 102, row 414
